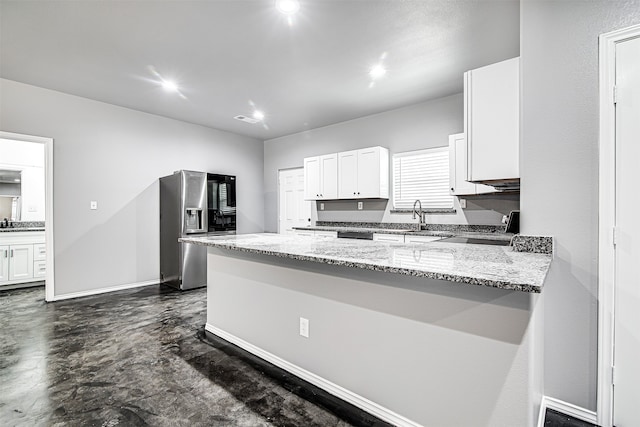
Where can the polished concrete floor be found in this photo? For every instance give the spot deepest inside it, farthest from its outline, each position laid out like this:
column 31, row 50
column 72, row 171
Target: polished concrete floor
column 131, row 358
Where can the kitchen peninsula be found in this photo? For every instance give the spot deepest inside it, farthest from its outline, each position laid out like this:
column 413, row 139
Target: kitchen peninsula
column 417, row 334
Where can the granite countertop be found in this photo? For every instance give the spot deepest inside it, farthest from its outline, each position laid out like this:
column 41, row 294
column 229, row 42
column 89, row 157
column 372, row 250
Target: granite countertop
column 488, row 236
column 20, row 229
column 482, row 265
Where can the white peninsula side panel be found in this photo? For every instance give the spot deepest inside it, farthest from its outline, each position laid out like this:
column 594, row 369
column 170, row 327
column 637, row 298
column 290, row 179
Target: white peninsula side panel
column 412, row 351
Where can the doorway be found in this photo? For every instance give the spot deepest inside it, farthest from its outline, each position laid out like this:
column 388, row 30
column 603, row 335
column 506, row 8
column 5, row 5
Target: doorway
column 619, row 244
column 29, row 208
column 293, row 209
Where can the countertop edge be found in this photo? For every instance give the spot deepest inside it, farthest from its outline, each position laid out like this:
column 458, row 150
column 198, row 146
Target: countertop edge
column 522, row 287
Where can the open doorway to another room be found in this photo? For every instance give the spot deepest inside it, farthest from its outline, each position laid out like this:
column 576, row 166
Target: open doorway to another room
column 26, row 205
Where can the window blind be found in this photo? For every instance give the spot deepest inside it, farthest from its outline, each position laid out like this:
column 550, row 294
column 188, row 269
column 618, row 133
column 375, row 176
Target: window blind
column 422, row 175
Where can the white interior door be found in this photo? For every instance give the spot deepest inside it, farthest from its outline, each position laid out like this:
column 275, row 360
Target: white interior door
column 626, row 394
column 294, row 210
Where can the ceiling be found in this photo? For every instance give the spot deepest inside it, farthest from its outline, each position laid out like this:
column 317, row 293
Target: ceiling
column 229, row 57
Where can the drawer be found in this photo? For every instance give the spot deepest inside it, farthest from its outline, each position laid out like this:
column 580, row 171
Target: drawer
column 39, row 252
column 323, row 233
column 381, row 237
column 39, row 269
column 421, row 239
column 304, row 232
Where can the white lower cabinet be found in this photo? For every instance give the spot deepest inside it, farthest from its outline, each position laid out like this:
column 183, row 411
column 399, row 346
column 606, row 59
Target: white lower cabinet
column 20, row 262
column 4, row 263
column 381, row 237
column 421, row 239
column 22, row 257
column 317, row 233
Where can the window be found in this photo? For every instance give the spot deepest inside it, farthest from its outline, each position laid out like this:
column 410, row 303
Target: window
column 422, row 175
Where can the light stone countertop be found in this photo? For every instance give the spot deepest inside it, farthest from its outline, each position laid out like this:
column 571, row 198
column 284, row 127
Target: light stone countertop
column 488, row 236
column 482, row 265
column 20, row 229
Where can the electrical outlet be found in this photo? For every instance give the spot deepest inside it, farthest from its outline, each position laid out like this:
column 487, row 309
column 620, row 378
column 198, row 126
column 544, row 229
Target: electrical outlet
column 304, row 327
column 321, row 206
column 463, row 203
column 94, row 205
column 360, row 205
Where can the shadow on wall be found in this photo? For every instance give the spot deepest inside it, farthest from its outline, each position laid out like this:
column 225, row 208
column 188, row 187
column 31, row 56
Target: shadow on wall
column 471, row 309
column 121, row 248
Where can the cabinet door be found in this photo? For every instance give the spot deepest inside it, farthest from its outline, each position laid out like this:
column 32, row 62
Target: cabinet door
column 312, row 178
column 20, row 262
column 459, row 186
column 348, row 174
column 458, row 169
column 368, row 173
column 329, row 176
column 4, row 263
column 492, row 121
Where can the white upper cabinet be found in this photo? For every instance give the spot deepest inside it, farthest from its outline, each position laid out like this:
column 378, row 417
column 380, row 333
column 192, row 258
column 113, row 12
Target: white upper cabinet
column 492, row 122
column 364, row 174
column 321, row 177
column 458, row 169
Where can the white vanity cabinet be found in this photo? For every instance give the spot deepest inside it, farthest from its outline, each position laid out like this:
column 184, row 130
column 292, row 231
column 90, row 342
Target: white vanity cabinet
column 22, row 257
column 363, row 173
column 492, row 122
column 459, row 186
column 321, row 177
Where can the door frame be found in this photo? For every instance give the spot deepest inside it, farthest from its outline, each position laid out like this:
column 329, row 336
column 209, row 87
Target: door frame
column 606, row 219
column 49, row 285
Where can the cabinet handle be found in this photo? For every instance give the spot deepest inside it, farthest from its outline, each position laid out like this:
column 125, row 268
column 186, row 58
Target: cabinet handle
column 358, row 192
column 11, row 253
column 354, row 192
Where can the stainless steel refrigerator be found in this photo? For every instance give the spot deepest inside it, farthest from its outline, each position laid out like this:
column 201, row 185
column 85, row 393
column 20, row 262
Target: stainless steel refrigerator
column 188, row 200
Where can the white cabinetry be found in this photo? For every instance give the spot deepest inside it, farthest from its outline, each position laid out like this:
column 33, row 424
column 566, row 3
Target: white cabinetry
column 20, row 262
column 321, row 177
column 4, row 263
column 316, row 233
column 395, row 238
column 363, row 173
column 492, row 122
column 458, row 169
column 22, row 257
column 420, row 239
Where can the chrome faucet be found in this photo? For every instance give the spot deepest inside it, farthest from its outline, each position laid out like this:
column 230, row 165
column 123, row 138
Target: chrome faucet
column 418, row 212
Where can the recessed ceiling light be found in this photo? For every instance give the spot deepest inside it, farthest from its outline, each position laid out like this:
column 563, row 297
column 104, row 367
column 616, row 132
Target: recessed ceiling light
column 258, row 115
column 377, row 71
column 169, row 86
column 288, row 7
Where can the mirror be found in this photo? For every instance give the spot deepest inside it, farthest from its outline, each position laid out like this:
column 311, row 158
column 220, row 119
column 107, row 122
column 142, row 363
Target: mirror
column 10, row 192
column 21, row 180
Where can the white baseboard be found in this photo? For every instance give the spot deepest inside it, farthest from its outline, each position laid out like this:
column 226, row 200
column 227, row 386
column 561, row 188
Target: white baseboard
column 105, row 290
column 566, row 408
column 336, row 390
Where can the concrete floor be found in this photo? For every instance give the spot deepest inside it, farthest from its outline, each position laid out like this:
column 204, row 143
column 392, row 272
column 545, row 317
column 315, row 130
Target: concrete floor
column 137, row 357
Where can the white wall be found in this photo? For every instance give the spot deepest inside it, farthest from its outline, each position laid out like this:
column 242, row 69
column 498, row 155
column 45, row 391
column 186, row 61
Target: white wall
column 27, row 157
column 436, row 352
column 115, row 156
column 415, row 127
column 559, row 168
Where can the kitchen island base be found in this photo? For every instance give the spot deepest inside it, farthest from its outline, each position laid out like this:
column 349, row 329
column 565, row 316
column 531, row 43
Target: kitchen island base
column 410, row 350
